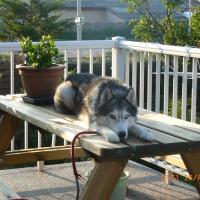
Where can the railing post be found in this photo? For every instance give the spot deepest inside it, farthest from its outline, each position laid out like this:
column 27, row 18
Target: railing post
column 118, row 60
column 12, row 87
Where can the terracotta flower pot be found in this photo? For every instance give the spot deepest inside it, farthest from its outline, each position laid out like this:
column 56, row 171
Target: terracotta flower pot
column 40, row 83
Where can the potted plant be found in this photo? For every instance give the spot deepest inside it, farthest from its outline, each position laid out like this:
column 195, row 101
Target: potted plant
column 39, row 74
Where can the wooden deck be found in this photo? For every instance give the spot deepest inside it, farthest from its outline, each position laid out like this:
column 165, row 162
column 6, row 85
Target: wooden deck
column 57, row 183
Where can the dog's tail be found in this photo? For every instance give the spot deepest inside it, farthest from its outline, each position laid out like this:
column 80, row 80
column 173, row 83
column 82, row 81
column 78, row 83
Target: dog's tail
column 64, row 98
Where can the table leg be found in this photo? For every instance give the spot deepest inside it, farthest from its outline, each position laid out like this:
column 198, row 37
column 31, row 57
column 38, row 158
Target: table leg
column 192, row 163
column 103, row 179
column 8, row 126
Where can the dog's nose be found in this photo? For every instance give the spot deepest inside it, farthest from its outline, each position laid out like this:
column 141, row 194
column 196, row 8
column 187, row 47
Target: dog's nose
column 122, row 134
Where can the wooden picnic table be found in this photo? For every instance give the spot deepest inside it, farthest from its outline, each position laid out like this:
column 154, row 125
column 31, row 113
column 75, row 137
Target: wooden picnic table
column 172, row 136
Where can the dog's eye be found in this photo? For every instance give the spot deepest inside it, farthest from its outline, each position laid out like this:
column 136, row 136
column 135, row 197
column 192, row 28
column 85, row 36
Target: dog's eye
column 112, row 116
column 126, row 116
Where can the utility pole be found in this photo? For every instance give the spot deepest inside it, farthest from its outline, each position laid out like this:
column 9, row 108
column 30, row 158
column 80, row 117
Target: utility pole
column 79, row 20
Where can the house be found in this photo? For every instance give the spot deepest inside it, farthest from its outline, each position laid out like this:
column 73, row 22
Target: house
column 111, row 11
column 98, row 15
column 110, row 16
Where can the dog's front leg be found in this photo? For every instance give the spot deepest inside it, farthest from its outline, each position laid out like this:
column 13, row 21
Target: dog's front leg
column 140, row 132
column 108, row 134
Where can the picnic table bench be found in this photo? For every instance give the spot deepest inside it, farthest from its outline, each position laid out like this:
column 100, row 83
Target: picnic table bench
column 172, row 136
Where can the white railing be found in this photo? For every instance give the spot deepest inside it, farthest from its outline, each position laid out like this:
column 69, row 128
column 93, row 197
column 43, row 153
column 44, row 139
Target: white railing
column 169, row 66
column 160, row 74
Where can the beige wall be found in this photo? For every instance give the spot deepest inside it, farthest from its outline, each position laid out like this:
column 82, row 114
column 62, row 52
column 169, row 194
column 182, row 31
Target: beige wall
column 111, row 17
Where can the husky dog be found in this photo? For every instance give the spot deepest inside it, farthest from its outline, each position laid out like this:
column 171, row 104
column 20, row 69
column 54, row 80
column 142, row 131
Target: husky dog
column 107, row 104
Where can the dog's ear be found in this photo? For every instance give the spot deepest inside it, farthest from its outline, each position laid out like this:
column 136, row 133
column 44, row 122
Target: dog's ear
column 106, row 95
column 130, row 97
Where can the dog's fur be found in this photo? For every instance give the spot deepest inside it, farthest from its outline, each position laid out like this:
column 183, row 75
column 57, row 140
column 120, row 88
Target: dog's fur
column 106, row 104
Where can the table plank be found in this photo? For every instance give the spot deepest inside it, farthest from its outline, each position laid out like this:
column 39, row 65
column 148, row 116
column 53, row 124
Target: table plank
column 98, row 146
column 40, row 154
column 169, row 120
column 62, row 125
column 175, row 160
column 168, row 129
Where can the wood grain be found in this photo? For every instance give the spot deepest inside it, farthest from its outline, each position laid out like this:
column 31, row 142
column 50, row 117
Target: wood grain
column 192, row 163
column 169, row 120
column 41, row 154
column 175, row 160
column 8, row 127
column 103, row 179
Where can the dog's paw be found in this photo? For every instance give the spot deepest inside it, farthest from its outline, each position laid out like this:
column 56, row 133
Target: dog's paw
column 112, row 137
column 147, row 136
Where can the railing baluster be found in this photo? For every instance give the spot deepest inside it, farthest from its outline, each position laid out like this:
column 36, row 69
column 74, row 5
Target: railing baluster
column 78, row 61
column 91, row 61
column 141, row 101
column 12, row 73
column 127, row 67
column 166, row 85
column 103, row 62
column 12, row 87
column 175, row 87
column 53, row 141
column 65, row 76
column 65, row 142
column 157, row 97
column 66, row 59
column 194, row 90
column 184, row 88
column 39, row 139
column 66, row 64
column 149, row 89
column 134, row 71
column 40, row 164
column 25, row 135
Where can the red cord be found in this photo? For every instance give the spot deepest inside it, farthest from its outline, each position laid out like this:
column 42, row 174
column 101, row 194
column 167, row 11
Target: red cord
column 19, row 199
column 76, row 174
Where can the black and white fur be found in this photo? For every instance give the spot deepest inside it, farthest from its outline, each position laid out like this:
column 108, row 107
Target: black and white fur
column 107, row 105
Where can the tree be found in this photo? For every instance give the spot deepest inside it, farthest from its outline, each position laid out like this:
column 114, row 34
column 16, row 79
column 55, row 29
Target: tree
column 150, row 28
column 32, row 18
column 195, row 29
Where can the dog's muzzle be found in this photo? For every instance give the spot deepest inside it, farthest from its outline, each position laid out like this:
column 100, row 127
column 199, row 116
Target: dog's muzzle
column 122, row 134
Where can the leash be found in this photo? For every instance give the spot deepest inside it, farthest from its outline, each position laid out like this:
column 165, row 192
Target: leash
column 19, row 199
column 78, row 177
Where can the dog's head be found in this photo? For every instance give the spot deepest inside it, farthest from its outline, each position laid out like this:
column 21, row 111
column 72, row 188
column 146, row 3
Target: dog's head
column 117, row 110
